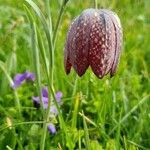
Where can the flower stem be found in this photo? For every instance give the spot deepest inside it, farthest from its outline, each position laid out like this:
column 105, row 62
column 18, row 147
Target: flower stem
column 48, row 10
column 49, row 73
column 49, row 67
column 17, row 101
column 59, row 20
column 73, row 96
column 36, row 61
column 95, row 4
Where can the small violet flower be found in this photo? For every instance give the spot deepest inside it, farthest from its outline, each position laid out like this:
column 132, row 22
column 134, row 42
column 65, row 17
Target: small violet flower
column 53, row 109
column 51, row 128
column 58, row 96
column 20, row 78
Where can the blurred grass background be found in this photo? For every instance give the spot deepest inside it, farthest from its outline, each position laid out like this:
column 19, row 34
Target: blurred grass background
column 105, row 101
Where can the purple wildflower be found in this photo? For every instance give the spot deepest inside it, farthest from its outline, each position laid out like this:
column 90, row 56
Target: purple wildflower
column 51, row 128
column 36, row 101
column 45, row 92
column 53, row 108
column 20, row 78
column 58, row 96
column 29, row 76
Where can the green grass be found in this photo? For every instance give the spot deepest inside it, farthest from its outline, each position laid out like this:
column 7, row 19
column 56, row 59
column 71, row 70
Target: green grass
column 112, row 113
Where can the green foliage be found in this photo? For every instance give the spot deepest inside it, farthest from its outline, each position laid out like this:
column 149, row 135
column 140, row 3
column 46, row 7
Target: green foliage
column 116, row 111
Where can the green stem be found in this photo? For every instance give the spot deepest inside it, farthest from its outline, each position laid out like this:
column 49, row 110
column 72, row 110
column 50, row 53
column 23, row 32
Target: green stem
column 48, row 10
column 50, row 89
column 73, row 96
column 21, row 123
column 59, row 20
column 50, row 77
column 49, row 72
column 36, row 61
column 75, row 111
column 46, row 118
column 61, row 120
column 50, row 41
column 2, row 67
column 86, row 133
column 95, row 4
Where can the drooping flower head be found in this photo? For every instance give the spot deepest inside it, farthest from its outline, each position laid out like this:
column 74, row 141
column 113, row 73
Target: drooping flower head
column 94, row 39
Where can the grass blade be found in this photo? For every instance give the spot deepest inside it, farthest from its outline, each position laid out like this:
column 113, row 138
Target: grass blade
column 47, row 32
column 75, row 111
column 130, row 112
column 18, row 105
column 86, row 133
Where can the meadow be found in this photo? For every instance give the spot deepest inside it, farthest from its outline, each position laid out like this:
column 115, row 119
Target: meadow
column 93, row 114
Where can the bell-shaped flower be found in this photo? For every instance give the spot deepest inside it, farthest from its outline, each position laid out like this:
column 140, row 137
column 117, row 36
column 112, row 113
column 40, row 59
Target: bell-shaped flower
column 94, row 39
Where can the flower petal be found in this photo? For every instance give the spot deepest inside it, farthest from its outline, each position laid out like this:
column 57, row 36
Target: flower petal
column 97, row 44
column 80, row 44
column 36, row 101
column 51, row 128
column 45, row 102
column 54, row 110
column 20, row 78
column 118, row 42
column 45, row 92
column 29, row 76
column 68, row 46
column 109, row 43
column 58, row 96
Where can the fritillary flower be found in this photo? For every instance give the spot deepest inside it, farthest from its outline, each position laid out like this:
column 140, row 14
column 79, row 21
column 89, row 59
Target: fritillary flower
column 94, row 39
